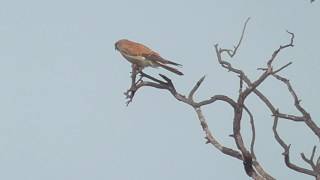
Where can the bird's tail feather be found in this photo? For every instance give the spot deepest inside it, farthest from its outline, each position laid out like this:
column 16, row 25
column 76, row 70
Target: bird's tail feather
column 174, row 70
column 173, row 63
column 158, row 58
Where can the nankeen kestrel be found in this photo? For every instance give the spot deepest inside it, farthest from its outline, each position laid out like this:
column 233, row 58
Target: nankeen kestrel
column 142, row 56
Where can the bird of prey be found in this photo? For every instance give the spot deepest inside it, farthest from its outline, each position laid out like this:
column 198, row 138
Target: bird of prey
column 142, row 56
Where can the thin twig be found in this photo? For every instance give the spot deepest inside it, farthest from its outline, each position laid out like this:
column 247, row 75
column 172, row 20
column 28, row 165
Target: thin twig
column 195, row 88
column 275, row 53
column 287, row 150
column 280, row 69
column 310, row 160
column 230, row 52
column 306, row 116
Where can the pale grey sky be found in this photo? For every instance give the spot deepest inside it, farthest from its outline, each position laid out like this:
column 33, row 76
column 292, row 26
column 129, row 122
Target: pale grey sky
column 63, row 113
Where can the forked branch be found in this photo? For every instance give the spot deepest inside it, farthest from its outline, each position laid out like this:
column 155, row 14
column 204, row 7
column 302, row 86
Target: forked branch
column 246, row 87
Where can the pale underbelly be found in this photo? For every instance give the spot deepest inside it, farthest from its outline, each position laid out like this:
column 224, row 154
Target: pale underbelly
column 140, row 61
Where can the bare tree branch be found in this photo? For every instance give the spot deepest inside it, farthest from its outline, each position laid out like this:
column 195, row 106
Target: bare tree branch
column 276, row 52
column 195, row 88
column 230, row 52
column 253, row 129
column 310, row 160
column 248, row 157
column 286, row 152
column 212, row 140
column 280, row 69
column 306, row 116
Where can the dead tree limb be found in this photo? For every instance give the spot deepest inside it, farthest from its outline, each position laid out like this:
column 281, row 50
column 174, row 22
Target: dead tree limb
column 246, row 87
column 286, row 155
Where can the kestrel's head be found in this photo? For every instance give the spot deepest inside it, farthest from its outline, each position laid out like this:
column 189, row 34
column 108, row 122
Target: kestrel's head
column 118, row 44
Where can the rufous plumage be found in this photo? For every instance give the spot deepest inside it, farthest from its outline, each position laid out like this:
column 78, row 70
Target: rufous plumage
column 142, row 56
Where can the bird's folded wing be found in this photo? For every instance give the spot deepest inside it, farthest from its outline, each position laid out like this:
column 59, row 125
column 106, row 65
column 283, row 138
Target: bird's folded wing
column 135, row 49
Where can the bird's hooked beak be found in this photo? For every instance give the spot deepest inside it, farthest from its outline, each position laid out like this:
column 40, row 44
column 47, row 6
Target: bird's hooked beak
column 116, row 46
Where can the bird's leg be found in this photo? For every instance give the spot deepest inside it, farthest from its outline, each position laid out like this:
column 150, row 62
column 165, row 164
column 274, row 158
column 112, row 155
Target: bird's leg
column 134, row 68
column 139, row 70
column 131, row 91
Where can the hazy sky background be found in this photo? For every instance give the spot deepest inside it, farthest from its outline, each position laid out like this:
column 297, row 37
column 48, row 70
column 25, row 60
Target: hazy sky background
column 63, row 113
